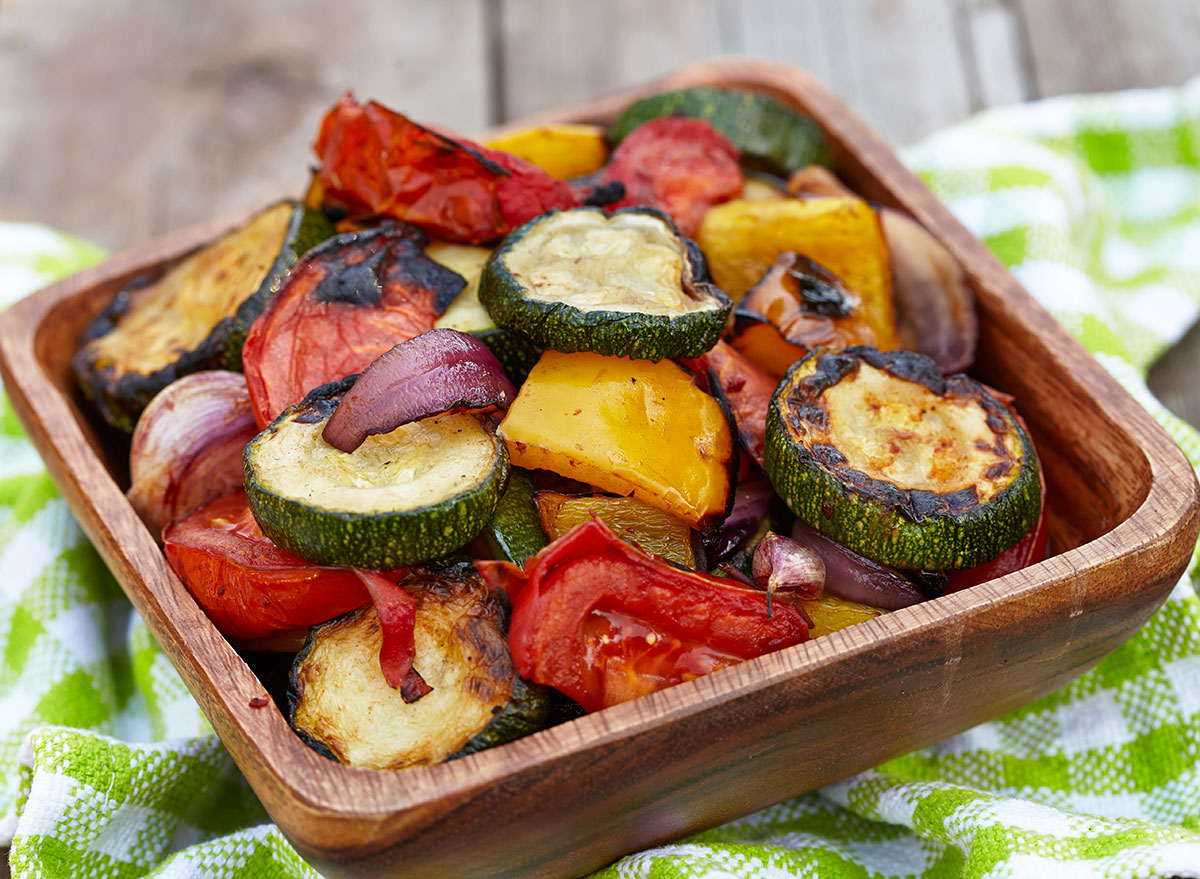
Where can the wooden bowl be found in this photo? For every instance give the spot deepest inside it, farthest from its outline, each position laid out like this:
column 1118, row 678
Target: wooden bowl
column 1122, row 517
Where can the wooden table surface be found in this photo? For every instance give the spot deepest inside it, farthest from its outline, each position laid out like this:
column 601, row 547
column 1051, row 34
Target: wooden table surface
column 125, row 119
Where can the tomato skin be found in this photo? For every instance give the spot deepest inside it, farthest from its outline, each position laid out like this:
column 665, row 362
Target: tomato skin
column 249, row 587
column 376, row 161
column 680, row 166
column 589, row 584
column 1029, row 550
column 345, row 302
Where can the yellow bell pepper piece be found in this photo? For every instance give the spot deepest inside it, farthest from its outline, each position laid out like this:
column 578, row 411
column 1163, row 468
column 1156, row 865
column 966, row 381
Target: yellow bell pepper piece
column 630, row 427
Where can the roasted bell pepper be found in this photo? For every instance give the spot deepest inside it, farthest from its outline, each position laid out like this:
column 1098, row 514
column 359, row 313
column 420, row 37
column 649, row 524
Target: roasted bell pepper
column 635, row 520
column 747, row 388
column 376, row 161
column 631, row 427
column 604, row 622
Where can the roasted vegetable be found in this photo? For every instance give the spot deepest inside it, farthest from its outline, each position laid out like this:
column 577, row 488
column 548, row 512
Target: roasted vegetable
column 248, row 586
column 831, row 614
column 625, row 285
column 625, row 426
column 377, row 162
column 407, row 496
column 799, row 305
column 747, row 388
column 561, row 149
column 883, row 454
column 341, row 704
column 515, row 532
column 935, row 309
column 764, row 130
column 636, row 521
column 187, row 448
column 681, row 167
column 193, row 316
column 742, row 240
column 604, row 622
column 437, row 372
column 347, row 302
column 467, row 315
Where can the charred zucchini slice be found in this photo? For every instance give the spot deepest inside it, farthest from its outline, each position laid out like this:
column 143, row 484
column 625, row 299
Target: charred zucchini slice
column 625, row 284
column 341, row 705
column 194, row 315
column 882, row 453
column 765, row 131
column 407, row 496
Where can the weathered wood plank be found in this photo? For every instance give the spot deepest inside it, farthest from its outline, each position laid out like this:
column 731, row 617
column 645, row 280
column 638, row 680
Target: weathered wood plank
column 554, row 53
column 122, row 120
column 1111, row 44
column 997, row 56
column 897, row 62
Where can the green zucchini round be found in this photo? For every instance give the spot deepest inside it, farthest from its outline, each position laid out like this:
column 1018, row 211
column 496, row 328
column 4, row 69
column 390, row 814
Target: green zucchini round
column 624, row 284
column 193, row 315
column 341, row 706
column 414, row 494
column 885, row 455
column 764, row 130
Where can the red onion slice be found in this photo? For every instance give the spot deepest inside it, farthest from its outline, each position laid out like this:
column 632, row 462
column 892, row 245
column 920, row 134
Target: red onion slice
column 856, row 578
column 434, row 372
column 187, row 447
column 397, row 612
column 751, row 501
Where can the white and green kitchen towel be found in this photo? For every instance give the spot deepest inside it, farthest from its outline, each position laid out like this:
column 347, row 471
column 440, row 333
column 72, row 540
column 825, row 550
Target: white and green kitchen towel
column 107, row 768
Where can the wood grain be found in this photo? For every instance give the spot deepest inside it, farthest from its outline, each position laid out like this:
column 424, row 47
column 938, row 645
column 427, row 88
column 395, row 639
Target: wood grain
column 1123, row 515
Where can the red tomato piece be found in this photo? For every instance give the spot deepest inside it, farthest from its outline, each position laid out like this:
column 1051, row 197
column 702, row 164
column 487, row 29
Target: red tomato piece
column 680, row 166
column 1029, row 550
column 345, row 303
column 376, row 161
column 747, row 388
column 249, row 587
column 605, row 622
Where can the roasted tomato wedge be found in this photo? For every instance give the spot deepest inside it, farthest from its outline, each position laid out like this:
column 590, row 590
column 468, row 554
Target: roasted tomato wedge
column 604, row 622
column 376, row 161
column 249, row 587
column 680, row 166
column 348, row 301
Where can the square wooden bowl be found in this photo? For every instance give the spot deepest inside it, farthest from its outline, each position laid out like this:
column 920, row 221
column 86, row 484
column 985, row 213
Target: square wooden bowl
column 1122, row 519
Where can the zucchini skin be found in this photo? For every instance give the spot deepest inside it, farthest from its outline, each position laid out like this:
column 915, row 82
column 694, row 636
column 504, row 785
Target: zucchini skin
column 379, row 541
column 306, row 230
column 120, row 397
column 531, row 708
column 882, row 522
column 760, row 127
column 514, row 531
column 563, row 327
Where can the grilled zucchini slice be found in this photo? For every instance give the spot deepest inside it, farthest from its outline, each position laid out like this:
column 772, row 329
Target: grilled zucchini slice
column 414, row 494
column 341, row 705
column 882, row 453
column 625, row 284
column 766, row 132
column 193, row 316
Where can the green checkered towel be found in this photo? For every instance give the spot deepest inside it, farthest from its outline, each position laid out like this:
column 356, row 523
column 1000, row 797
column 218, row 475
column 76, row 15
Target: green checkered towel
column 1095, row 204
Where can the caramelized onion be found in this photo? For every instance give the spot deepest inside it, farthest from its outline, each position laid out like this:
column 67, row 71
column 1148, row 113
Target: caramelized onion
column 856, row 578
column 435, row 372
column 187, row 448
